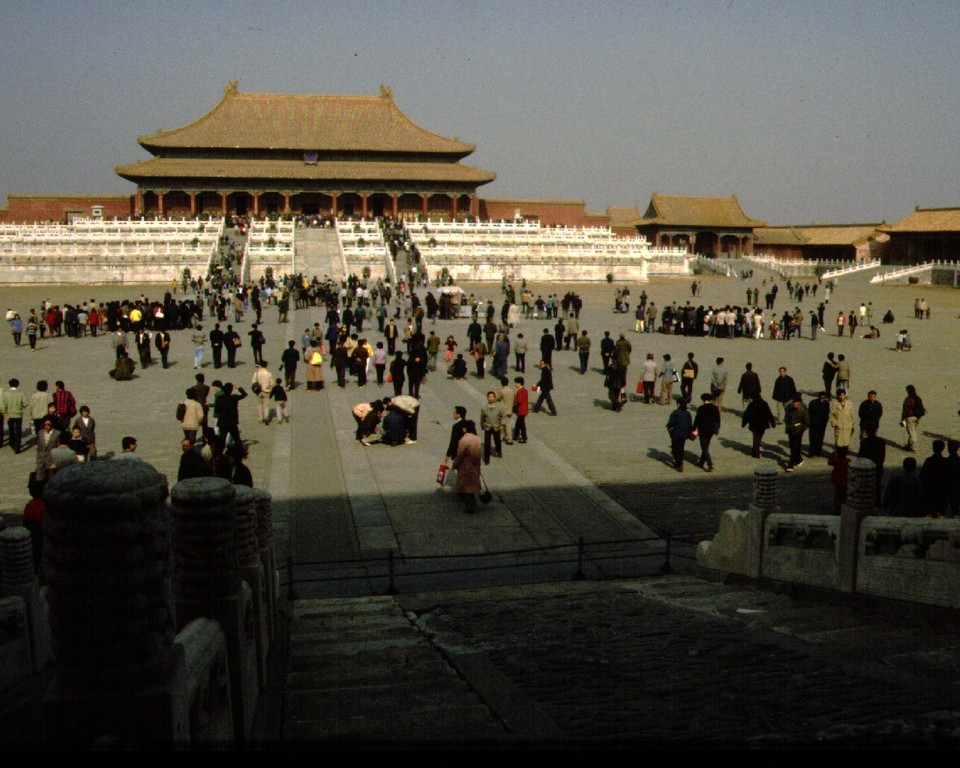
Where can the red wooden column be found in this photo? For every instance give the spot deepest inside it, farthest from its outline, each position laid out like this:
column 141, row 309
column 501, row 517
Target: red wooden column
column 160, row 194
column 333, row 204
column 138, row 202
column 256, row 203
column 223, row 202
column 474, row 205
column 453, row 207
column 423, row 205
column 193, row 203
column 396, row 205
column 363, row 205
column 286, row 203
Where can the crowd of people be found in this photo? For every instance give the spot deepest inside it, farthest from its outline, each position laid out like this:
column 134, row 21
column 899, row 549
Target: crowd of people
column 377, row 335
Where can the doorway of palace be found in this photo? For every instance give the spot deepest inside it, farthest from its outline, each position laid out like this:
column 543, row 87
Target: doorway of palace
column 706, row 244
column 271, row 202
column 349, row 204
column 380, row 204
column 239, row 203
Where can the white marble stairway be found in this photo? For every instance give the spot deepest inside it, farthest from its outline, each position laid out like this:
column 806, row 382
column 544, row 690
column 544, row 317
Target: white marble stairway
column 318, row 253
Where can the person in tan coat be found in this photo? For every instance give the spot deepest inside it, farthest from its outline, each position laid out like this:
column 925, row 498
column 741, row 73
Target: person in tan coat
column 467, row 464
column 192, row 417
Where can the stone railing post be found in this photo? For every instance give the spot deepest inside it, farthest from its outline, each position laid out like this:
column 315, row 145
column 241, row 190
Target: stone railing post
column 208, row 581
column 107, row 552
column 20, row 580
column 762, row 504
column 861, row 495
column 264, row 505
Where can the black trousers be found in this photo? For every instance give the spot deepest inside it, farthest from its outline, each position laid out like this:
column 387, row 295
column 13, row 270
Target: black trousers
column 519, row 427
column 488, row 435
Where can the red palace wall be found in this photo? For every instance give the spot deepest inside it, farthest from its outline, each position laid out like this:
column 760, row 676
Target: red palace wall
column 565, row 213
column 37, row 208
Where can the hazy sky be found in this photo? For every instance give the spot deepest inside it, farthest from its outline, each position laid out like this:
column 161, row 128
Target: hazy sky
column 807, row 111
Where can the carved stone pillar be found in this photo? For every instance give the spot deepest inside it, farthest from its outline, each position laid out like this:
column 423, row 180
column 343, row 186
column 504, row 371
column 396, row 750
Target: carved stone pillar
column 107, row 551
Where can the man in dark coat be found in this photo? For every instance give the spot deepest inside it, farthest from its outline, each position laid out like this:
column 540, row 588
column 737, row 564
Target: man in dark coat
column 749, row 387
column 191, row 462
column 784, row 388
column 547, row 345
column 679, row 426
column 457, row 430
column 759, row 418
column 545, row 387
column 829, row 371
column 290, row 358
column 231, row 340
column 706, row 424
column 606, row 350
column 216, row 345
column 796, row 421
column 874, row 448
column 870, row 412
column 819, row 411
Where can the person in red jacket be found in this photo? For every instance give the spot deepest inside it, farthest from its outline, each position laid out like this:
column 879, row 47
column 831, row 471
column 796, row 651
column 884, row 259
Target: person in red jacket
column 521, row 407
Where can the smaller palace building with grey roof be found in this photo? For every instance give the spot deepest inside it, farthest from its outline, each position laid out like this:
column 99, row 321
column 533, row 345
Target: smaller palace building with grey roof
column 260, row 153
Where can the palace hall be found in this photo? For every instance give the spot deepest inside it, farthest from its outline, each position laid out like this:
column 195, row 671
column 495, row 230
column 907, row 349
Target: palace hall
column 262, row 153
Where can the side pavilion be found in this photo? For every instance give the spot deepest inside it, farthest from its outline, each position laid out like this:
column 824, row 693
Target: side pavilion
column 713, row 226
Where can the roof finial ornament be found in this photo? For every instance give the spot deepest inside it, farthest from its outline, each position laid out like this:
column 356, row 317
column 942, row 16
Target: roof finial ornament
column 386, row 92
column 231, row 88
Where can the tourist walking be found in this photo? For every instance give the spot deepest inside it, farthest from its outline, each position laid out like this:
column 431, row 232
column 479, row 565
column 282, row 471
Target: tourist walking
column 911, row 412
column 706, row 424
column 758, row 418
column 679, row 427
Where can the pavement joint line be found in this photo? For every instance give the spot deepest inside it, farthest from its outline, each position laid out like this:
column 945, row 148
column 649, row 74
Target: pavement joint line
column 576, row 479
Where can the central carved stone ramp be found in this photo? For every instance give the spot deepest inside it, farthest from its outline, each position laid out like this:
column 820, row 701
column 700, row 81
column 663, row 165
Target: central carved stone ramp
column 318, row 252
column 358, row 669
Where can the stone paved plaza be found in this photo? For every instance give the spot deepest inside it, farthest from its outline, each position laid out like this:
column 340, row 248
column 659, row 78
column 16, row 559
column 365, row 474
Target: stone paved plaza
column 589, row 472
column 395, row 501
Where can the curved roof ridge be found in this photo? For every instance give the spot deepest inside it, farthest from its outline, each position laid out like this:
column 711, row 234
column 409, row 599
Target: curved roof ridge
column 227, row 93
column 415, row 124
column 691, row 210
column 324, row 122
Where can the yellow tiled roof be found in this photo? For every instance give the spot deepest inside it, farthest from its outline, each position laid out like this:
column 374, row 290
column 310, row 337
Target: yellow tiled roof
column 306, row 122
column 623, row 216
column 296, row 170
column 816, row 234
column 777, row 236
column 928, row 220
column 673, row 210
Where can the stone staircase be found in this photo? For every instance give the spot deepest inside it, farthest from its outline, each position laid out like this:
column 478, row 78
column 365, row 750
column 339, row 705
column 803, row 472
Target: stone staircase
column 318, row 253
column 358, row 669
column 443, row 667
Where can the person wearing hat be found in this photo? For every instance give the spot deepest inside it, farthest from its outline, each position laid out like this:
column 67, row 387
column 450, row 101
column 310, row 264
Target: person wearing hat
column 796, row 421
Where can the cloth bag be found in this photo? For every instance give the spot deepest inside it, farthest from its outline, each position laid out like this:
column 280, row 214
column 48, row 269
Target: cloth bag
column 485, row 496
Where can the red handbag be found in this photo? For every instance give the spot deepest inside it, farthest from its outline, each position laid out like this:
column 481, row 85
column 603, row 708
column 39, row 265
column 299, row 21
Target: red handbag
column 442, row 474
